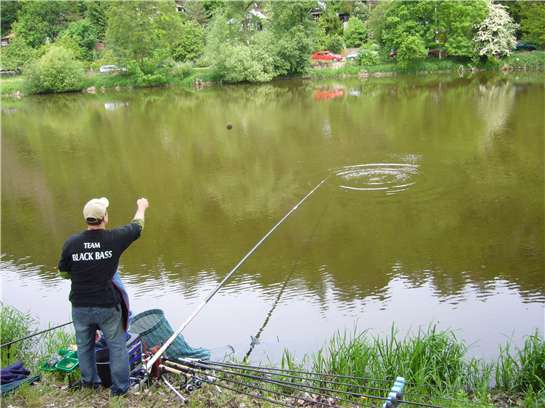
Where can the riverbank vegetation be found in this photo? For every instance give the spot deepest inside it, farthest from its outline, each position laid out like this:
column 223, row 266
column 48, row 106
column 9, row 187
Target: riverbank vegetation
column 68, row 46
column 434, row 363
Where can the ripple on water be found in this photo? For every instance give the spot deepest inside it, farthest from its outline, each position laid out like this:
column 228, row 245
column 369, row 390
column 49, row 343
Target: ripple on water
column 390, row 178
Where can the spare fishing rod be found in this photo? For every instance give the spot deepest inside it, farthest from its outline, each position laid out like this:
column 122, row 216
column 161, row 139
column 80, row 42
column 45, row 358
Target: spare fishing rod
column 9, row 343
column 308, row 376
column 157, row 355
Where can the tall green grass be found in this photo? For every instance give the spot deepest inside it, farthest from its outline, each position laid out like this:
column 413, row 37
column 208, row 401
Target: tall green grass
column 14, row 325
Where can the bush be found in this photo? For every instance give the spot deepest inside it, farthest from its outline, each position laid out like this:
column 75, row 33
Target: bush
column 369, row 54
column 182, row 70
column 335, row 43
column 56, row 71
column 16, row 55
column 411, row 49
column 189, row 42
column 356, row 33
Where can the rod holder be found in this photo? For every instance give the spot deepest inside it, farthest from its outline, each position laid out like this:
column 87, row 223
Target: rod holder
column 396, row 393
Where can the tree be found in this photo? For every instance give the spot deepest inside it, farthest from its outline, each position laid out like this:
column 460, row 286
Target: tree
column 17, row 55
column 39, row 22
column 9, row 15
column 294, row 34
column 411, row 49
column 56, row 71
column 532, row 23
column 496, row 34
column 195, row 10
column 188, row 43
column 96, row 14
column 442, row 23
column 356, row 33
column 84, row 34
column 140, row 32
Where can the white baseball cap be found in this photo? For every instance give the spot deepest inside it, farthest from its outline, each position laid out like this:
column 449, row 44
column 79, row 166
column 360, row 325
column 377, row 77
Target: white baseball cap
column 95, row 209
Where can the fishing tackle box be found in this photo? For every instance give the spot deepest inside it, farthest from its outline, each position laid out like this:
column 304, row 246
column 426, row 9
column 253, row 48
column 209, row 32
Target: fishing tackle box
column 134, row 348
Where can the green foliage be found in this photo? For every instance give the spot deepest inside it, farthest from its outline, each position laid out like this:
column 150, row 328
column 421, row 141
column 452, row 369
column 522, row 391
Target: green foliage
column 56, row 71
column 8, row 15
column 17, row 55
column 140, row 31
column 356, row 33
column 532, row 23
column 196, row 11
column 39, row 22
column 411, row 49
column 238, row 62
column 15, row 325
column 360, row 10
column 432, row 361
column 534, row 61
column 335, row 43
column 523, row 369
column 182, row 70
column 96, row 14
column 294, row 35
column 442, row 23
column 188, row 44
column 330, row 23
column 84, row 34
column 369, row 54
column 376, row 21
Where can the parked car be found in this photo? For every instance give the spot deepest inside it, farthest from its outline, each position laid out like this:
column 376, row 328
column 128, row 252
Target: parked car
column 325, row 56
column 106, row 69
column 352, row 57
column 522, row 46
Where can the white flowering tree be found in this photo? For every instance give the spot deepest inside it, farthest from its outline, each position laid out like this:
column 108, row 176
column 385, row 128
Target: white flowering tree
column 495, row 36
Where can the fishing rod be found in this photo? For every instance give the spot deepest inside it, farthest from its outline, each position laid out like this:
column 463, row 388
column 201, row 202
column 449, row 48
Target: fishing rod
column 167, row 343
column 9, row 343
column 291, row 385
column 298, row 377
column 270, row 391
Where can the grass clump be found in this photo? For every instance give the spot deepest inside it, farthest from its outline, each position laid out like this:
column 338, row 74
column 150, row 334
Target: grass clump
column 15, row 325
column 526, row 61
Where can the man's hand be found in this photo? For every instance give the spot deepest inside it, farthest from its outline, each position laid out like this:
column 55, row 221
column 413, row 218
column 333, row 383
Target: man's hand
column 142, row 203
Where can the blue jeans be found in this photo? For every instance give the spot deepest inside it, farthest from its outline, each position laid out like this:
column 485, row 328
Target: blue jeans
column 108, row 319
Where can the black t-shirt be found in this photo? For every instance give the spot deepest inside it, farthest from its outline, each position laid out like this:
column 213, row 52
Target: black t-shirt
column 92, row 258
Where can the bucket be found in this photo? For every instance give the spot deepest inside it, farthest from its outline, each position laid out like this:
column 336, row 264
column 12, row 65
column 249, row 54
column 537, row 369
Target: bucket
column 155, row 330
column 134, row 349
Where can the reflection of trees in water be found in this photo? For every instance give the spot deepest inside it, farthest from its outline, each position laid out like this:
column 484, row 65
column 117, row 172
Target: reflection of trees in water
column 496, row 101
column 214, row 191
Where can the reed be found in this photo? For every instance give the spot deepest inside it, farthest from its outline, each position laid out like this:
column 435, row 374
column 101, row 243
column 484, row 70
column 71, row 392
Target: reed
column 14, row 325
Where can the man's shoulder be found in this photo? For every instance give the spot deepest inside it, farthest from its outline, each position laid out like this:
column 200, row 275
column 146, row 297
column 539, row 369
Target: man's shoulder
column 78, row 236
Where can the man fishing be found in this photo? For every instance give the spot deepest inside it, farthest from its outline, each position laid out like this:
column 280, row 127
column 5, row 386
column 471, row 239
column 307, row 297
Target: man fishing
column 90, row 259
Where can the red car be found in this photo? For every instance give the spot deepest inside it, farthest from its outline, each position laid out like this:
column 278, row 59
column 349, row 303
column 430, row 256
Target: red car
column 325, row 56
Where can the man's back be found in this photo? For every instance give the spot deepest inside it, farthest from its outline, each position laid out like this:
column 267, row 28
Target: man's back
column 92, row 258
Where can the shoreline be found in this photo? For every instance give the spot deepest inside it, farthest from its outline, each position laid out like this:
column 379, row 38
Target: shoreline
column 434, row 363
column 199, row 78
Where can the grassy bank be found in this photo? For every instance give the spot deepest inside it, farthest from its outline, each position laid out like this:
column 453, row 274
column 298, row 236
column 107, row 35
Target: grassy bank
column 434, row 364
column 184, row 76
column 520, row 61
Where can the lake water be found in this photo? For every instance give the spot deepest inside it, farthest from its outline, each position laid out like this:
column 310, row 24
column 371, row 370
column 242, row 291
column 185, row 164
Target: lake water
column 432, row 211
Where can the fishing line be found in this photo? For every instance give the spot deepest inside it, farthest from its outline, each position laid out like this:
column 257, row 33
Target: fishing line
column 284, row 284
column 167, row 343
